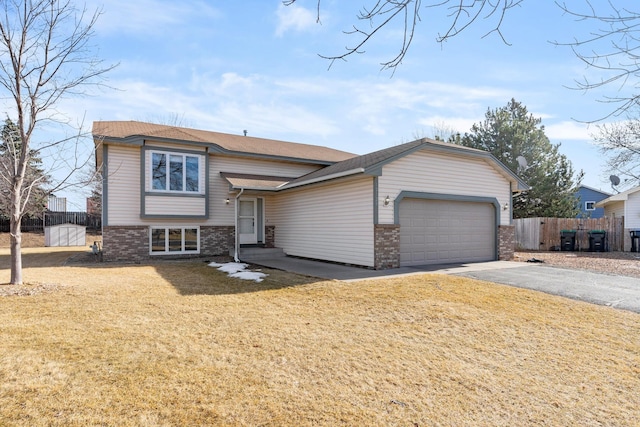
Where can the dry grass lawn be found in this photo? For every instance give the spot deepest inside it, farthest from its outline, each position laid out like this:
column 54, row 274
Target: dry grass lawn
column 182, row 344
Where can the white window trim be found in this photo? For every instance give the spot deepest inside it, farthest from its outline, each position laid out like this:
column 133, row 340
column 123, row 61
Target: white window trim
column 184, row 156
column 166, row 240
column 586, row 206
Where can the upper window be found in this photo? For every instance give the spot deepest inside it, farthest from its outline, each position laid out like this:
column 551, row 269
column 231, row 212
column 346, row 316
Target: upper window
column 589, row 206
column 174, row 172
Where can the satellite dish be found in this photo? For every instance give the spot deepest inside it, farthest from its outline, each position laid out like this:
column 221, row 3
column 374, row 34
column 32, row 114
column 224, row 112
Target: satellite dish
column 614, row 180
column 522, row 163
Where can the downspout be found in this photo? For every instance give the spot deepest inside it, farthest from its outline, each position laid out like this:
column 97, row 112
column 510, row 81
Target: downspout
column 237, row 235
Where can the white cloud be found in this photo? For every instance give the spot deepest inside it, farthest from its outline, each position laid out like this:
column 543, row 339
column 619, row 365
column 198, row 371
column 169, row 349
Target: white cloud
column 399, row 108
column 147, row 16
column 231, row 80
column 229, row 103
column 569, row 130
column 357, row 115
column 562, row 131
column 294, row 18
column 438, row 123
column 280, row 118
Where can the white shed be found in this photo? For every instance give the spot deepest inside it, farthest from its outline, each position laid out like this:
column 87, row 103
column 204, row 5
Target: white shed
column 65, row 235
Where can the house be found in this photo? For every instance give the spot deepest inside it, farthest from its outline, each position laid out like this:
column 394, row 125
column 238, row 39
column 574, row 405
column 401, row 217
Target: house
column 626, row 205
column 587, row 198
column 173, row 191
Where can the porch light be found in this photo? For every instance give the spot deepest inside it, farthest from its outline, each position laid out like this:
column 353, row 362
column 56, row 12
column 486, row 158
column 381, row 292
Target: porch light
column 387, row 200
column 227, row 201
column 505, row 206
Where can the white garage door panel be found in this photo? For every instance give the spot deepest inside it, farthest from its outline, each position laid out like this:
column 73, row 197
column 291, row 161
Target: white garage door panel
column 443, row 231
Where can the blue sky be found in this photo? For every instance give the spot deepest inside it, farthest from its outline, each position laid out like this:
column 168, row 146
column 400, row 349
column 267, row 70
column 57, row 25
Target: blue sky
column 229, row 66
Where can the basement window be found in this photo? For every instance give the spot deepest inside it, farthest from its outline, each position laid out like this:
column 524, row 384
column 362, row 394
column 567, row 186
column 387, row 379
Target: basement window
column 174, row 240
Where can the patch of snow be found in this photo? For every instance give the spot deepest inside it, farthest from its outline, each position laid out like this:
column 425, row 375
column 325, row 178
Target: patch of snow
column 249, row 275
column 238, row 270
column 233, row 267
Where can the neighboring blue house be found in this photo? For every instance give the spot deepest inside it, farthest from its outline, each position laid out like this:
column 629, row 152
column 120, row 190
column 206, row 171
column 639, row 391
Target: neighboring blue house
column 587, row 199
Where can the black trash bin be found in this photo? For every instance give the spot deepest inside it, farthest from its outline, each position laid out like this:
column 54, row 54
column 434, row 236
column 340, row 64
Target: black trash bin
column 635, row 242
column 568, row 240
column 597, row 241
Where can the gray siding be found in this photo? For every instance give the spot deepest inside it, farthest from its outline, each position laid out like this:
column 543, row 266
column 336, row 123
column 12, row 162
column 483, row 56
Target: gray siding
column 632, row 214
column 123, row 177
column 615, row 209
column 175, row 206
column 429, row 172
column 332, row 221
column 223, row 214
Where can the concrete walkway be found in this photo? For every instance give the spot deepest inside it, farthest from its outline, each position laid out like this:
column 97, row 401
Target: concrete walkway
column 330, row 271
column 604, row 289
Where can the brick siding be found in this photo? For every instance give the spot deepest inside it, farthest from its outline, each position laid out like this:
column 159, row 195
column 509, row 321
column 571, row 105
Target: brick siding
column 125, row 243
column 270, row 236
column 131, row 243
column 387, row 246
column 506, row 242
column 216, row 240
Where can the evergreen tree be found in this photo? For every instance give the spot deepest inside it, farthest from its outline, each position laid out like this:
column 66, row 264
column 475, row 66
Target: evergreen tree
column 510, row 133
column 35, row 181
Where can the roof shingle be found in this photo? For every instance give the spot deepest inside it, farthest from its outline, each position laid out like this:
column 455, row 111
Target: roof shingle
column 372, row 160
column 121, row 130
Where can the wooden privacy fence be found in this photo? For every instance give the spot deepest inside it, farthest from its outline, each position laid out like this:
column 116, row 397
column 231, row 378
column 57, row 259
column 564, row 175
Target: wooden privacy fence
column 543, row 234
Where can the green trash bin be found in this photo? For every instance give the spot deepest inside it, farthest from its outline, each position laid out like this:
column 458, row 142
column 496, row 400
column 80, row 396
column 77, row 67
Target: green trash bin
column 635, row 238
column 597, row 241
column 568, row 240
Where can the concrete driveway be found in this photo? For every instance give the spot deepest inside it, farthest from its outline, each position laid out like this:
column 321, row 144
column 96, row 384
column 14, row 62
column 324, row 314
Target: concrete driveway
column 604, row 289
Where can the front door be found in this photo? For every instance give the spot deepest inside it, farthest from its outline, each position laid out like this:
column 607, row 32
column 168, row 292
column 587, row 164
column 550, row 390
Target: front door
column 247, row 224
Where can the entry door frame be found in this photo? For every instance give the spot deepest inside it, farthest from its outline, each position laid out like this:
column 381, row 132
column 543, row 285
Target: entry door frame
column 248, row 238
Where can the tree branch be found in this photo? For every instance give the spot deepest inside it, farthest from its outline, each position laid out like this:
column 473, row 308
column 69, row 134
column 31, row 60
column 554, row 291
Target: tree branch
column 383, row 14
column 613, row 49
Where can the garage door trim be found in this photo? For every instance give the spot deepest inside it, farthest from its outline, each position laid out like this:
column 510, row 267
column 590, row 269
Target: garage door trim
column 450, row 197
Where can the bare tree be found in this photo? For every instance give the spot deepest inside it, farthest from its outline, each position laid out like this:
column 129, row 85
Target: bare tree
column 169, row 119
column 620, row 142
column 45, row 56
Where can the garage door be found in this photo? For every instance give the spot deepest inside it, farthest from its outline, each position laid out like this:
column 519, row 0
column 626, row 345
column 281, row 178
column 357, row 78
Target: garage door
column 444, row 232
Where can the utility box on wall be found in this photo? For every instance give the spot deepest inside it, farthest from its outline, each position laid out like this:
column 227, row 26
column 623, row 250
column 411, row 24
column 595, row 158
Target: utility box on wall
column 65, row 235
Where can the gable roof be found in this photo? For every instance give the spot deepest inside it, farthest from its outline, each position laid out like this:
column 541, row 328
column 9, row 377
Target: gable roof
column 586, row 187
column 339, row 163
column 620, row 197
column 134, row 132
column 372, row 163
